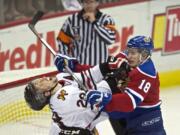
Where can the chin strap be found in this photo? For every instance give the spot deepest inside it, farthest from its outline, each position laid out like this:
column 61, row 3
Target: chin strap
column 141, row 60
column 52, row 89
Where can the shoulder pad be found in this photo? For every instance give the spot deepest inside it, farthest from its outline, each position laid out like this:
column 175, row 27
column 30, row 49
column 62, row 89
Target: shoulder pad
column 66, row 79
column 147, row 68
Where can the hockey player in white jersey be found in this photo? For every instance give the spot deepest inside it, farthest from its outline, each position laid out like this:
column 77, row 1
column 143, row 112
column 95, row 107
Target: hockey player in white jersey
column 71, row 113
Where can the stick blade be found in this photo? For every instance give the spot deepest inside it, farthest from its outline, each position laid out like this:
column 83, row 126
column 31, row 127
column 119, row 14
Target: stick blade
column 36, row 18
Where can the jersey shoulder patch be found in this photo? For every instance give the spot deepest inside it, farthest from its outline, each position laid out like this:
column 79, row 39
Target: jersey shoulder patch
column 147, row 68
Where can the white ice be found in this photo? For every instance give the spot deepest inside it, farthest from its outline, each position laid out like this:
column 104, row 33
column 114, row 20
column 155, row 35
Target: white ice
column 170, row 109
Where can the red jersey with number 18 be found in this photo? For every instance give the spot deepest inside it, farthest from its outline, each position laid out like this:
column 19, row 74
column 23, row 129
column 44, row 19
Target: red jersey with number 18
column 142, row 90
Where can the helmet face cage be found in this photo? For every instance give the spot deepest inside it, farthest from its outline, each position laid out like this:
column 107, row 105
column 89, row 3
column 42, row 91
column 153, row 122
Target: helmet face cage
column 35, row 99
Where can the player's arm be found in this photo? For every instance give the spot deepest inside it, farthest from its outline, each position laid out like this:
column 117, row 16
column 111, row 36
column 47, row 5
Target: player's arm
column 111, row 60
column 94, row 75
column 107, row 30
column 61, row 60
column 65, row 38
column 132, row 96
column 90, row 77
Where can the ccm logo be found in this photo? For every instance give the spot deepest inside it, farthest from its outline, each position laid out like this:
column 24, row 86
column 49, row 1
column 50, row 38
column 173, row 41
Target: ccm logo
column 70, row 132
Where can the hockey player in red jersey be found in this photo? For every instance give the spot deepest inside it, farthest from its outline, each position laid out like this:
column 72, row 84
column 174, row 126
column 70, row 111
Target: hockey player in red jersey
column 139, row 104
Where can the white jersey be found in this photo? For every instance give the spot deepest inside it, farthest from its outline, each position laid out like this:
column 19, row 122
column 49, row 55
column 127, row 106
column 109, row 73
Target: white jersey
column 69, row 105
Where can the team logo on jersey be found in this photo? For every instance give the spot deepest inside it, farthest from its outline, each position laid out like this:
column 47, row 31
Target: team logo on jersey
column 62, row 95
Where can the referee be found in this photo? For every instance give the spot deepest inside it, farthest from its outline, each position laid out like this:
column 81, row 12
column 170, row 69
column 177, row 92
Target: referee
column 85, row 35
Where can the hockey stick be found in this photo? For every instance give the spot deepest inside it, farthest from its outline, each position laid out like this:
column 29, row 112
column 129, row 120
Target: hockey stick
column 31, row 25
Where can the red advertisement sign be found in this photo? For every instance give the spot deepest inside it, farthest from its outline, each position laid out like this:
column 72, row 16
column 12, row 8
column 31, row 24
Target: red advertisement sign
column 172, row 37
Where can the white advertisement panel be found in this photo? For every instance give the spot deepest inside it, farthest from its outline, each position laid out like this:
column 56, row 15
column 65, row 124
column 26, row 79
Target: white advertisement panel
column 20, row 49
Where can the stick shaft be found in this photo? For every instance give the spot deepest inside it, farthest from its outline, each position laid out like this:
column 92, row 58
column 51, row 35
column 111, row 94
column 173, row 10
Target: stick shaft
column 31, row 25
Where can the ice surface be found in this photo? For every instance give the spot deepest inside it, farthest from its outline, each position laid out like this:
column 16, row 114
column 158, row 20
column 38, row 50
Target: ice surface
column 170, row 110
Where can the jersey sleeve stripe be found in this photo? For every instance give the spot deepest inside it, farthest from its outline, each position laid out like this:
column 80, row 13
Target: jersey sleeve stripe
column 135, row 93
column 137, row 99
column 107, row 32
column 96, row 74
column 104, row 34
column 112, row 27
column 88, row 80
column 64, row 37
column 83, row 79
column 145, row 73
column 150, row 106
column 132, row 99
column 92, row 79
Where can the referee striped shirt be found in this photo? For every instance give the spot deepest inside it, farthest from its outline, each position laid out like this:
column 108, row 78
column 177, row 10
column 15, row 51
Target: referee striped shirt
column 87, row 41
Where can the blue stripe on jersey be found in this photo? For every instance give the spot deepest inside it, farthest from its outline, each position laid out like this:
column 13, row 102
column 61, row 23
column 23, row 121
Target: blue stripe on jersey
column 136, row 98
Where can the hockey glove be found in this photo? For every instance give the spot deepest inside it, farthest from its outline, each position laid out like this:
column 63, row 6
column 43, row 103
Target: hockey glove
column 98, row 100
column 115, row 63
column 112, row 65
column 61, row 61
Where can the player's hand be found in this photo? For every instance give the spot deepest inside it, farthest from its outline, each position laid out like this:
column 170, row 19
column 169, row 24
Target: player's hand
column 119, row 68
column 115, row 63
column 61, row 61
column 90, row 16
column 98, row 99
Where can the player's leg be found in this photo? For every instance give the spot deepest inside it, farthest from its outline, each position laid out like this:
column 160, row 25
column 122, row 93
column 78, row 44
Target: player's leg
column 149, row 123
column 119, row 126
